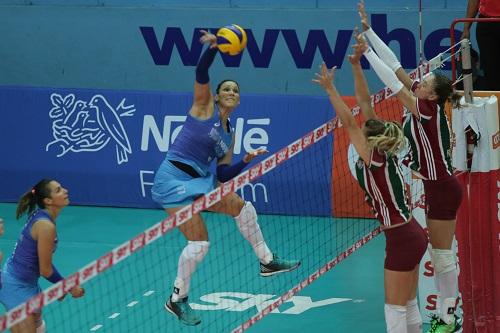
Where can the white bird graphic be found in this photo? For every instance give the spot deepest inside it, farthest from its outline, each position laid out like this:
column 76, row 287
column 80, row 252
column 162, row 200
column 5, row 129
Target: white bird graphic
column 110, row 122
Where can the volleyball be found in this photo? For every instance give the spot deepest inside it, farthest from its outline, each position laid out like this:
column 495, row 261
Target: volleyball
column 231, row 39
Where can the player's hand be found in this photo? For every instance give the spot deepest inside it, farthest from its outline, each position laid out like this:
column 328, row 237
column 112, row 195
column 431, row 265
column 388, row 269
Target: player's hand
column 362, row 15
column 250, row 156
column 77, row 291
column 208, row 38
column 325, row 77
column 359, row 48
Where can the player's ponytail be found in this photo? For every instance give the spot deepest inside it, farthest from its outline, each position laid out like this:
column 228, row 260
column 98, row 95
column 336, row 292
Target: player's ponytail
column 385, row 136
column 33, row 198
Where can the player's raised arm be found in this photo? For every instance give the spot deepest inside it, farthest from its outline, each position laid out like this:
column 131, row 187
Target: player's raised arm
column 202, row 97
column 360, row 85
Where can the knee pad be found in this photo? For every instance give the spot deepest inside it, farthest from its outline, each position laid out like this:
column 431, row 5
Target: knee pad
column 196, row 250
column 443, row 260
column 413, row 316
column 395, row 317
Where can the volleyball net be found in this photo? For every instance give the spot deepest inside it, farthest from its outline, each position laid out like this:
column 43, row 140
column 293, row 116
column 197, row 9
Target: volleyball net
column 127, row 287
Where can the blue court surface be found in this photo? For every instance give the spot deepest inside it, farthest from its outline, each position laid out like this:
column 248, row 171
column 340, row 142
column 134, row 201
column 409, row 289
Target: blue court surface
column 348, row 298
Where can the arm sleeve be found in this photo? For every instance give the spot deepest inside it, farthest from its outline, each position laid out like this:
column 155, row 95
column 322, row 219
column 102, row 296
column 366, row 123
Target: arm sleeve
column 226, row 172
column 384, row 73
column 205, row 62
column 383, row 51
column 55, row 276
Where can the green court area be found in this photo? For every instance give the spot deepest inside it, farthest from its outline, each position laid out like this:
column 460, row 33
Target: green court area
column 226, row 288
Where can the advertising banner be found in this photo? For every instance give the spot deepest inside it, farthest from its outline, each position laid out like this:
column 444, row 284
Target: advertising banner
column 105, row 146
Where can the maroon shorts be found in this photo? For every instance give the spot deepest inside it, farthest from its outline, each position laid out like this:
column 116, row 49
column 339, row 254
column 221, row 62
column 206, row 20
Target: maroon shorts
column 405, row 246
column 442, row 198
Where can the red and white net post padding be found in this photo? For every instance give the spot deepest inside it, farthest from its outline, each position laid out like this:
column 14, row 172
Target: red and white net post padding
column 478, row 220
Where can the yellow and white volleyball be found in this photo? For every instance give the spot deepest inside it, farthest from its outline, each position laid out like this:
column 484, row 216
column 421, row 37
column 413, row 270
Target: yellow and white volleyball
column 231, row 39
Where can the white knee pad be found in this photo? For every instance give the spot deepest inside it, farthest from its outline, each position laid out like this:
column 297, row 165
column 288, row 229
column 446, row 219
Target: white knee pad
column 196, row 250
column 413, row 317
column 41, row 328
column 443, row 260
column 395, row 318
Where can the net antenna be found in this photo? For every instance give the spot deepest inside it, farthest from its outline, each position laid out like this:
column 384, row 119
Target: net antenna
column 466, row 70
column 420, row 49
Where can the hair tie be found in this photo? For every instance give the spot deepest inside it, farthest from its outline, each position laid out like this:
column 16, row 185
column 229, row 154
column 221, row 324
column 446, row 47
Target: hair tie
column 33, row 191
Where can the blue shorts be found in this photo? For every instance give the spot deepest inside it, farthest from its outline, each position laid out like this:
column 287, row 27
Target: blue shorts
column 15, row 292
column 173, row 187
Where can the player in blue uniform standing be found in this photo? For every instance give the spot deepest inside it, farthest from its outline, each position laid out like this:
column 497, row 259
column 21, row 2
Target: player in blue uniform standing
column 184, row 175
column 32, row 256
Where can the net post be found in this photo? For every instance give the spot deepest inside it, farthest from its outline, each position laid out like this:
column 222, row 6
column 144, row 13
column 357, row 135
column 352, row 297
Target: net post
column 467, row 70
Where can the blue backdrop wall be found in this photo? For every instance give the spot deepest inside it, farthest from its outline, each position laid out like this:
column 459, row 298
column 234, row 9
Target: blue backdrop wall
column 66, row 63
column 105, row 146
column 154, row 46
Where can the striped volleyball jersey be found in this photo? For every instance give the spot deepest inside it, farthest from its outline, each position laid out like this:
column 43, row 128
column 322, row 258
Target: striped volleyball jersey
column 429, row 138
column 384, row 188
column 23, row 263
column 200, row 141
column 489, row 8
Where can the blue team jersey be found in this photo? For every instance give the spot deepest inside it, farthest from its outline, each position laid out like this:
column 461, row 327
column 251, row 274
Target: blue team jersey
column 23, row 263
column 200, row 142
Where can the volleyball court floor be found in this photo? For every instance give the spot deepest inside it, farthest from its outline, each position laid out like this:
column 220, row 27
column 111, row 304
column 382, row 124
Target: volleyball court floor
column 349, row 298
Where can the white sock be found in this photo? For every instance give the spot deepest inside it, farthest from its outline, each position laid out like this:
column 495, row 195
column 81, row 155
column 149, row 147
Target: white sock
column 395, row 318
column 250, row 229
column 191, row 256
column 413, row 317
column 448, row 286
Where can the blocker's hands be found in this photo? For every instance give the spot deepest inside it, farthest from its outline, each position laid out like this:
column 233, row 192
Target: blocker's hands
column 325, row 77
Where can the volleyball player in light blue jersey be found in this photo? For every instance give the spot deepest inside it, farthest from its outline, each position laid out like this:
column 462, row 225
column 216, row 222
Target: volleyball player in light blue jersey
column 32, row 256
column 184, row 175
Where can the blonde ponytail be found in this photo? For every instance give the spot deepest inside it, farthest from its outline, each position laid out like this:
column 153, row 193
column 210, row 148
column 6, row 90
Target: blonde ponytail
column 391, row 140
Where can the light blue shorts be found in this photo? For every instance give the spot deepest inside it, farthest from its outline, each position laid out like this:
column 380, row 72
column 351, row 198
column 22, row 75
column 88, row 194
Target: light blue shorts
column 15, row 292
column 173, row 187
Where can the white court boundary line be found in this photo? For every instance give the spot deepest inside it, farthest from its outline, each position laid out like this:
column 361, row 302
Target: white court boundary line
column 91, row 270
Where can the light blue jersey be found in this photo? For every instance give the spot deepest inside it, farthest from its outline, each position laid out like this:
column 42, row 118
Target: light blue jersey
column 21, row 271
column 23, row 263
column 197, row 145
column 200, row 142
